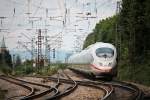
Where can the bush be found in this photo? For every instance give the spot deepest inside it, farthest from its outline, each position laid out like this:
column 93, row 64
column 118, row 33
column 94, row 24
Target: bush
column 138, row 73
column 62, row 66
column 24, row 70
column 5, row 69
column 49, row 70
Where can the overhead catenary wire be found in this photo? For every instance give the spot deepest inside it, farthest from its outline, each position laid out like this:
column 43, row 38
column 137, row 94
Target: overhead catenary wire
column 67, row 10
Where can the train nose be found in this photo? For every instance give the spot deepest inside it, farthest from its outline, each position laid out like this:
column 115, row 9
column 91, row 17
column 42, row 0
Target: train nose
column 105, row 70
column 105, row 64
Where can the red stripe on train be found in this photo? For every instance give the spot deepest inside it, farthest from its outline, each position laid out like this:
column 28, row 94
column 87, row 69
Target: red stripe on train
column 95, row 67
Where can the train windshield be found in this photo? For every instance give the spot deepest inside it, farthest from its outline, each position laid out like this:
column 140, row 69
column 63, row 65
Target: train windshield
column 105, row 52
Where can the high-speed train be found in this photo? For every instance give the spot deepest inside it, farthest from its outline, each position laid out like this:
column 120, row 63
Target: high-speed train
column 100, row 56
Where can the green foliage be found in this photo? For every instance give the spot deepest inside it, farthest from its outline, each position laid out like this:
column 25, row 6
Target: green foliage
column 18, row 61
column 27, row 69
column 62, row 66
column 133, row 28
column 132, row 39
column 5, row 69
column 24, row 70
column 5, row 62
column 51, row 69
column 137, row 73
column 89, row 40
column 106, row 30
column 103, row 32
column 135, row 34
column 5, row 58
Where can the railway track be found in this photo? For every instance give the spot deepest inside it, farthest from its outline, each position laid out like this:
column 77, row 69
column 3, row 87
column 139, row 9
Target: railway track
column 31, row 89
column 134, row 93
column 106, row 88
column 67, row 90
column 137, row 94
column 28, row 85
column 113, row 90
column 41, row 95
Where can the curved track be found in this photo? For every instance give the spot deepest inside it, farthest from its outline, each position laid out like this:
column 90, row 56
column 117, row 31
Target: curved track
column 112, row 90
column 137, row 94
column 65, row 92
column 32, row 90
column 32, row 94
column 106, row 88
column 134, row 91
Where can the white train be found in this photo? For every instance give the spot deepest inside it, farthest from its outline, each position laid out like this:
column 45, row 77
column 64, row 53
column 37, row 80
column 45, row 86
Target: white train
column 100, row 56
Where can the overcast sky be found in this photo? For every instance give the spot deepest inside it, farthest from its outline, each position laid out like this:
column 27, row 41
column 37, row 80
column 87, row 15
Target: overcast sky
column 65, row 20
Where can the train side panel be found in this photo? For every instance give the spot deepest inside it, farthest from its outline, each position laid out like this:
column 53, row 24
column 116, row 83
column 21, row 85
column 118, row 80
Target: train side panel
column 84, row 57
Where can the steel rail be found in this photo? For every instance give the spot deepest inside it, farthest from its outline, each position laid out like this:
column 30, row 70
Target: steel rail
column 66, row 91
column 124, row 85
column 107, row 93
column 45, row 92
column 34, row 96
column 33, row 83
column 130, row 87
column 55, row 86
column 32, row 90
column 40, row 94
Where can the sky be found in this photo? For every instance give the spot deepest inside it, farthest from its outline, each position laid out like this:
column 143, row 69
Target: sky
column 65, row 23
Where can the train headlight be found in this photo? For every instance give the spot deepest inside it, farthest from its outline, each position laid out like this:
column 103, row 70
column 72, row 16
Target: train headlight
column 110, row 64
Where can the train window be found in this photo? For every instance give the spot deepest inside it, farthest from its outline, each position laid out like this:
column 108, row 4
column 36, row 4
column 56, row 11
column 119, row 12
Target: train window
column 104, row 52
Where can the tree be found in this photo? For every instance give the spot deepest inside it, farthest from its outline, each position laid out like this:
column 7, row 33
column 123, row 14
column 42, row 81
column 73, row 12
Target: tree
column 18, row 60
column 104, row 31
column 133, row 32
column 6, row 58
column 5, row 62
column 134, row 28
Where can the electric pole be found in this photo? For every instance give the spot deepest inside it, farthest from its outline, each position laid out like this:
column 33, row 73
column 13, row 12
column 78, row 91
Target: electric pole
column 46, row 49
column 39, row 51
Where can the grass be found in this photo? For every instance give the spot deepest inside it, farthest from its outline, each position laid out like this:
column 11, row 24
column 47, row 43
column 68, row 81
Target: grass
column 29, row 70
column 5, row 69
column 138, row 73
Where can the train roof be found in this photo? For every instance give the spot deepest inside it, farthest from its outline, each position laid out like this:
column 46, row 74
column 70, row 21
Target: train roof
column 99, row 43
